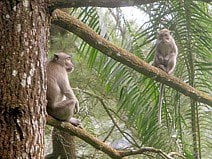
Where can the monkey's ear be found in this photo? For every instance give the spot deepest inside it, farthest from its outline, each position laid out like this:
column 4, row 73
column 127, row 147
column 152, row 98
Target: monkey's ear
column 56, row 57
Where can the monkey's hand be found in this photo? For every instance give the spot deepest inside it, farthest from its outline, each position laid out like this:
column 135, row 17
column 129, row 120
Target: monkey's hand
column 76, row 110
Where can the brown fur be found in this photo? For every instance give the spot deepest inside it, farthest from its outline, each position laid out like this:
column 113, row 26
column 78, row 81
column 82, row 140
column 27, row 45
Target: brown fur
column 61, row 104
column 165, row 59
column 166, row 52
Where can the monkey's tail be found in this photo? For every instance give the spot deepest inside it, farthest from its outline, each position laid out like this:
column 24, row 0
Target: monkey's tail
column 160, row 103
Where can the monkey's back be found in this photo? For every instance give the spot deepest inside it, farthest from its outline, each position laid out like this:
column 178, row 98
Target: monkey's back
column 54, row 93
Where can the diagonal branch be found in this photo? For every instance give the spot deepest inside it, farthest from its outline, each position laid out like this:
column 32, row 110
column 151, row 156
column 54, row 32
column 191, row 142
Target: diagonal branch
column 73, row 25
column 82, row 134
column 101, row 100
column 99, row 145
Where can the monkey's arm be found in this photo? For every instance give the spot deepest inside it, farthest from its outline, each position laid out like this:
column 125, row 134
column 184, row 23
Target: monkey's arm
column 172, row 59
column 71, row 95
column 158, row 59
column 68, row 92
column 158, row 62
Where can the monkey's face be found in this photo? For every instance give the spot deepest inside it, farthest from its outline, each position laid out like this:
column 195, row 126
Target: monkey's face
column 164, row 36
column 64, row 60
column 68, row 64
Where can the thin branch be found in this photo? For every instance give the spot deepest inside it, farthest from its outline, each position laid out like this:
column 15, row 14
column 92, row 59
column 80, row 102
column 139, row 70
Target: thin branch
column 99, row 145
column 172, row 154
column 153, row 150
column 110, row 132
column 136, row 143
column 73, row 25
column 101, row 100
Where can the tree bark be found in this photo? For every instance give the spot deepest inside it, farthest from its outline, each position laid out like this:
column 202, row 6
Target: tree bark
column 97, row 3
column 73, row 25
column 53, row 4
column 24, row 27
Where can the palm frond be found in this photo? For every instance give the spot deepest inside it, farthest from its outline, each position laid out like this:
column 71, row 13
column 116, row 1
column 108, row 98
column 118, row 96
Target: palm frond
column 137, row 95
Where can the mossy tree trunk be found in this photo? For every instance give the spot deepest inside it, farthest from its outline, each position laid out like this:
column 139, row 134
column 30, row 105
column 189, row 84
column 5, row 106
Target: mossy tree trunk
column 24, row 27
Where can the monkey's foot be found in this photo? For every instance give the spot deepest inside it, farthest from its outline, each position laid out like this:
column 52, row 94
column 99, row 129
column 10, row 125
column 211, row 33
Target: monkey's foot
column 76, row 122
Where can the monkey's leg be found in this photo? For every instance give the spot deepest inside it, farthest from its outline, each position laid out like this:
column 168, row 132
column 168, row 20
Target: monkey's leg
column 63, row 110
column 171, row 64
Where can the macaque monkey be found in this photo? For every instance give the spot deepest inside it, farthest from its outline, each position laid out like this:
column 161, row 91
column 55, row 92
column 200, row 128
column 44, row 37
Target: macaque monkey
column 61, row 103
column 61, row 100
column 165, row 59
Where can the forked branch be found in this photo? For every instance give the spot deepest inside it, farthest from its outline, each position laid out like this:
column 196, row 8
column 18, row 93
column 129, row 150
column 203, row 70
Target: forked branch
column 99, row 145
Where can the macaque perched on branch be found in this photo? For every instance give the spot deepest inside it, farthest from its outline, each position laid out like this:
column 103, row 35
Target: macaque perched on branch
column 61, row 103
column 165, row 59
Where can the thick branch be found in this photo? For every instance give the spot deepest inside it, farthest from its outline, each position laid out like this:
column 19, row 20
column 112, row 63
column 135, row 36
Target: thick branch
column 97, row 3
column 92, row 38
column 113, row 153
column 101, row 3
column 82, row 134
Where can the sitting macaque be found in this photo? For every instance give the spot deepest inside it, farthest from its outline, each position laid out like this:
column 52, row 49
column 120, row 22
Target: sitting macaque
column 61, row 104
column 165, row 59
column 61, row 100
column 166, row 52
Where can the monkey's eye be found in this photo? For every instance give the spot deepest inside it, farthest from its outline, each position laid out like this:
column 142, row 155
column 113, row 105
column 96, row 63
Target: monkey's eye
column 68, row 58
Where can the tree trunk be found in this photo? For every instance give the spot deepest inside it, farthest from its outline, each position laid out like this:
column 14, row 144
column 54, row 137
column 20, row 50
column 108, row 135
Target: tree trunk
column 63, row 145
column 24, row 27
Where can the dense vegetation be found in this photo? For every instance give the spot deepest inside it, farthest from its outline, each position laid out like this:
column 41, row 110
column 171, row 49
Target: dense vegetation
column 119, row 105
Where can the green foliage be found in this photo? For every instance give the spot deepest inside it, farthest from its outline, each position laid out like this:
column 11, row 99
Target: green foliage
column 133, row 97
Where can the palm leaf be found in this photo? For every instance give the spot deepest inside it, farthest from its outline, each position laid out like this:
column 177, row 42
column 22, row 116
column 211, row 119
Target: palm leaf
column 137, row 95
